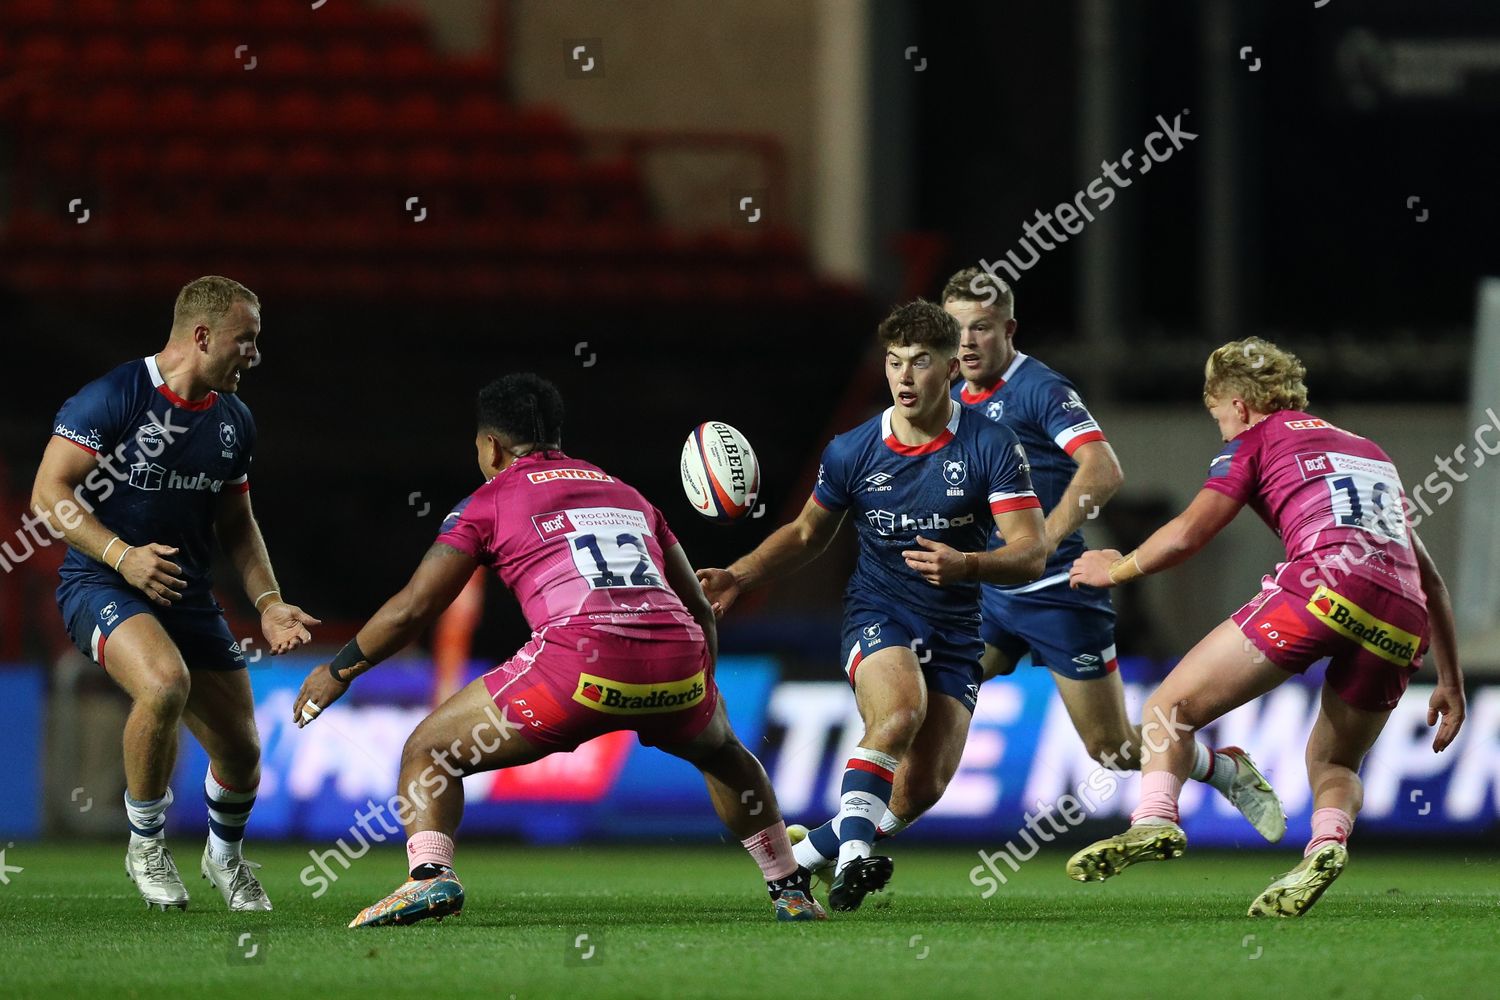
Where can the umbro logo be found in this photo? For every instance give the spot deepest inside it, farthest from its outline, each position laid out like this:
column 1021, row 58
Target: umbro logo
column 878, row 483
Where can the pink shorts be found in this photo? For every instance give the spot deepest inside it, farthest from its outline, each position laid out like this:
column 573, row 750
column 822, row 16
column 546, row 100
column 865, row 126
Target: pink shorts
column 569, row 685
column 1374, row 639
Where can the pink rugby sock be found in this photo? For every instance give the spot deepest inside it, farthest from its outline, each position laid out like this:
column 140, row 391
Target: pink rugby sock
column 772, row 850
column 1159, row 791
column 429, row 848
column 1329, row 826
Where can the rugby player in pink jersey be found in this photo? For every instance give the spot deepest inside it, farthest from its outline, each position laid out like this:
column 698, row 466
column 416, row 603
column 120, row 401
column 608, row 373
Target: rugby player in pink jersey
column 622, row 638
column 1357, row 587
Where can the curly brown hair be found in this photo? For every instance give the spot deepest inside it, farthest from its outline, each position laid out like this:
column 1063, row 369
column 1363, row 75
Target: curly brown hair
column 920, row 323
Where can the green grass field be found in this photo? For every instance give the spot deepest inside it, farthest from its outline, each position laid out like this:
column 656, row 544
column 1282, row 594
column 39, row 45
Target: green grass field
column 695, row 922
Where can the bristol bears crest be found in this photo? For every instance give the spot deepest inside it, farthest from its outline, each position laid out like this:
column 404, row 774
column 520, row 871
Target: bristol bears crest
column 995, row 409
column 955, row 471
column 226, row 434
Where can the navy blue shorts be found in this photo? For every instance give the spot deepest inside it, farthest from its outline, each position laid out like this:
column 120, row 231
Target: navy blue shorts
column 1070, row 632
column 93, row 611
column 949, row 656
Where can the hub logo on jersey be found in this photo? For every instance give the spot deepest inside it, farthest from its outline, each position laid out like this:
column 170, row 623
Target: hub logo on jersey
column 934, row 522
column 883, row 521
column 619, row 698
column 147, row 475
column 879, row 483
column 955, row 472
column 1381, row 638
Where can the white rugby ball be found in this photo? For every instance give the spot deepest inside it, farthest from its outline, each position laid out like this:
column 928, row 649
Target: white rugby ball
column 720, row 473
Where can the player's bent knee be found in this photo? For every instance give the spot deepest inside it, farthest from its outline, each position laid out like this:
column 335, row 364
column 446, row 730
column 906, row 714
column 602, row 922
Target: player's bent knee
column 163, row 690
column 897, row 728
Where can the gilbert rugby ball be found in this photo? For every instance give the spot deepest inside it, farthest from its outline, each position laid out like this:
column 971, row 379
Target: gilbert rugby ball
column 720, row 473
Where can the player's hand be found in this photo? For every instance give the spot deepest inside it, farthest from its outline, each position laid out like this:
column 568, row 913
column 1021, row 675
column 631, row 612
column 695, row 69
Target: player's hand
column 1092, row 568
column 149, row 568
column 936, row 563
column 285, row 627
column 319, row 691
column 721, row 588
column 1447, row 701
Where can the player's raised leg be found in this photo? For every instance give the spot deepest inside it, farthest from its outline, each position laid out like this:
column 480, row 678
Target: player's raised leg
column 1341, row 737
column 892, row 698
column 221, row 715
column 464, row 735
column 143, row 660
column 746, row 803
column 920, row 781
column 1218, row 675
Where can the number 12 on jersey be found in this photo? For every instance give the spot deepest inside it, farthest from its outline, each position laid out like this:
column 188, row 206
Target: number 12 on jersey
column 611, row 558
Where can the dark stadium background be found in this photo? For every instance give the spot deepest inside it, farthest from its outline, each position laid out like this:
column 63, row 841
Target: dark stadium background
column 588, row 229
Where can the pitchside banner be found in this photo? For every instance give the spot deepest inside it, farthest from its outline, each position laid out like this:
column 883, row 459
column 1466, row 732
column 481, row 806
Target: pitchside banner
column 1022, row 757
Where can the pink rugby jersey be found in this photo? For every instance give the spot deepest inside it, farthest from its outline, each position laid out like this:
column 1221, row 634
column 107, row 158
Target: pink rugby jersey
column 576, row 546
column 1334, row 498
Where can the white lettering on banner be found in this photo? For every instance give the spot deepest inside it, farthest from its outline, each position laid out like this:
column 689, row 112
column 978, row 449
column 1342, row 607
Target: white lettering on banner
column 1476, row 777
column 1403, row 753
column 976, row 788
column 809, row 711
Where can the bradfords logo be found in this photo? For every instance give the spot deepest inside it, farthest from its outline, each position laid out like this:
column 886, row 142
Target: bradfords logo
column 619, row 698
column 1381, row 638
column 886, row 523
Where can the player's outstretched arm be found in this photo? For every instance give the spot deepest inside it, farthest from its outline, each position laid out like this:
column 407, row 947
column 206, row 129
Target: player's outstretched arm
column 1174, row 542
column 1093, row 485
column 284, row 625
column 682, row 579
column 790, row 547
column 56, row 501
column 439, row 578
column 1447, row 700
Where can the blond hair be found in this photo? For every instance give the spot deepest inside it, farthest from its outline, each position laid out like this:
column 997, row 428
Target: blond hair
column 974, row 285
column 209, row 298
column 1267, row 378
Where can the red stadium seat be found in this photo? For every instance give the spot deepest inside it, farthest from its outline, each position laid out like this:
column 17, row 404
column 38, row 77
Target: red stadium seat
column 184, row 158
column 416, row 113
column 289, row 58
column 299, row 111
column 112, row 109
column 170, row 56
column 95, row 13
column 408, row 60
column 34, row 12
column 347, row 59
column 107, row 54
column 239, row 108
column 356, row 112
column 43, row 52
column 156, row 13
column 174, row 109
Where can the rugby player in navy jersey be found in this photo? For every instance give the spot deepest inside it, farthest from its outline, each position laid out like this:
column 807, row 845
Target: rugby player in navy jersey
column 926, row 480
column 146, row 467
column 1070, row 631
